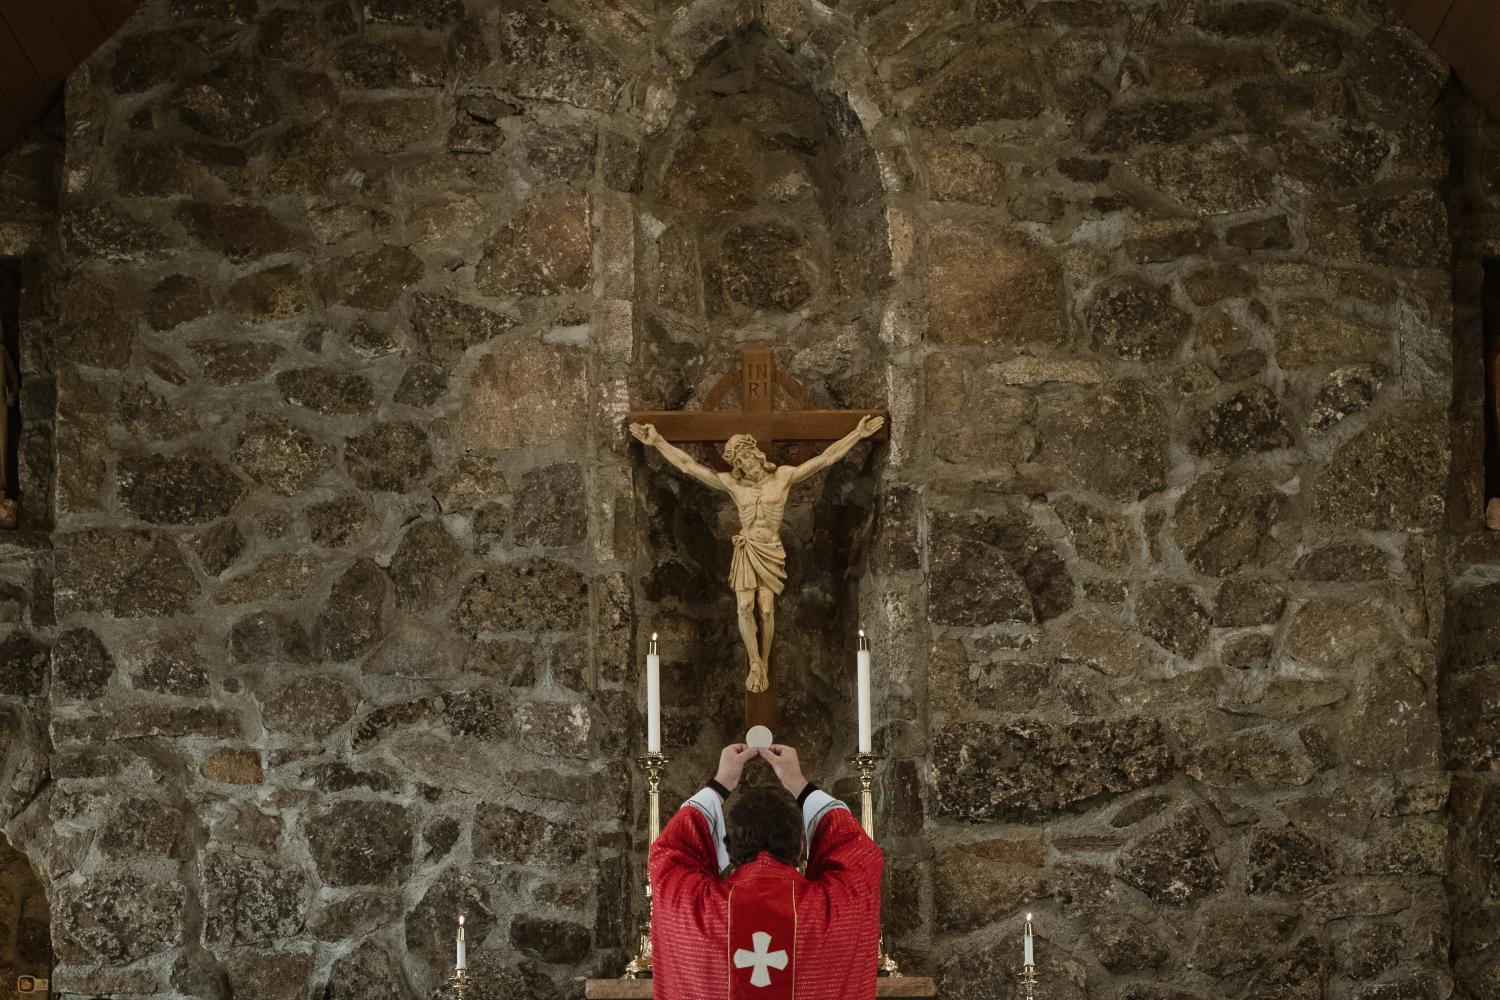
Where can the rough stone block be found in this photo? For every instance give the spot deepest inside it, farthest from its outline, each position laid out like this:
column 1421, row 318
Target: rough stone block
column 547, row 248
column 550, row 507
column 1109, row 439
column 230, row 103
column 1174, row 864
column 248, row 901
column 999, row 83
column 117, row 918
column 81, row 666
column 550, row 940
column 372, row 279
column 361, row 843
column 1289, row 860
column 308, row 706
column 510, row 836
column 1391, row 477
column 536, row 595
column 993, row 287
column 189, row 488
column 449, row 325
column 990, row 568
column 425, row 568
column 1028, row 769
column 527, row 394
column 327, row 391
column 1221, row 522
column 127, row 574
column 1249, row 421
column 390, row 456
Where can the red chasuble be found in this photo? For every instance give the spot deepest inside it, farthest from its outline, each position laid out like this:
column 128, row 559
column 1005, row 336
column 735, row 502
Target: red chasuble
column 766, row 932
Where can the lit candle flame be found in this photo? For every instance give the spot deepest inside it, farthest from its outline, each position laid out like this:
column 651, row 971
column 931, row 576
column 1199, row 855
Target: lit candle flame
column 1028, row 916
column 653, row 636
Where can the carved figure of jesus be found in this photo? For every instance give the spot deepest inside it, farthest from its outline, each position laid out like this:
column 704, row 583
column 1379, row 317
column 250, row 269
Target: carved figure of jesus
column 759, row 489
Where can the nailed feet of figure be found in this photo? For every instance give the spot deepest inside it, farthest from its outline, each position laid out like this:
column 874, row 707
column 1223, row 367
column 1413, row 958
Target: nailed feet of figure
column 759, row 677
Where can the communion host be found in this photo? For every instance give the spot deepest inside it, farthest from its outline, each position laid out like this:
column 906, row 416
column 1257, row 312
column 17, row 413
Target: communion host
column 733, row 917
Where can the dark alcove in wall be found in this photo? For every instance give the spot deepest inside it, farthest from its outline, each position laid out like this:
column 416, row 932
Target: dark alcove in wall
column 1490, row 308
column 25, row 938
column 10, row 343
column 763, row 219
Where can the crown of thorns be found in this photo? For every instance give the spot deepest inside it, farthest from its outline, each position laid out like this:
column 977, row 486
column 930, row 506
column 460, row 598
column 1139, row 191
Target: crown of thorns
column 737, row 445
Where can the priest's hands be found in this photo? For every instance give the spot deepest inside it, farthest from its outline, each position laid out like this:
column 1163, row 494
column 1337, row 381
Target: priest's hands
column 732, row 761
column 783, row 760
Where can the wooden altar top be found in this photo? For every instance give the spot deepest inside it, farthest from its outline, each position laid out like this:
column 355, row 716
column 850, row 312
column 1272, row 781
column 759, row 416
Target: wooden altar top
column 640, row 989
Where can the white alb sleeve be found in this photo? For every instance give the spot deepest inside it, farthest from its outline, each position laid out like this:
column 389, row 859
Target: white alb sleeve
column 708, row 803
column 817, row 805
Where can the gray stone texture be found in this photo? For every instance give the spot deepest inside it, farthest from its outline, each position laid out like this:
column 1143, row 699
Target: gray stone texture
column 326, row 615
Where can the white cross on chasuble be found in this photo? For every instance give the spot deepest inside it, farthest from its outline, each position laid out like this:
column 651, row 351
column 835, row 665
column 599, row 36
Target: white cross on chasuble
column 762, row 939
column 761, row 960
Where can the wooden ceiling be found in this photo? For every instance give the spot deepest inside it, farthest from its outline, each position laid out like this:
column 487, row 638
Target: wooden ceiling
column 42, row 40
column 40, row 43
column 1467, row 34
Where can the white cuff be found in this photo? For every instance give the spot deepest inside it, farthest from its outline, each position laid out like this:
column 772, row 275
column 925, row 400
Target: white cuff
column 708, row 803
column 817, row 805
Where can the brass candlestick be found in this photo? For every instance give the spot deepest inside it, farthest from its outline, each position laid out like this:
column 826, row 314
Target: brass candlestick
column 654, row 762
column 458, row 984
column 1028, row 982
column 865, row 762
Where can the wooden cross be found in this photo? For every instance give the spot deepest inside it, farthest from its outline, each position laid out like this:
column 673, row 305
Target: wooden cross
column 758, row 381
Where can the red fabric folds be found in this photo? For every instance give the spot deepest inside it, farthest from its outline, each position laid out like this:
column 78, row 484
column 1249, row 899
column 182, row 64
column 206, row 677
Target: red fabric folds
column 827, row 923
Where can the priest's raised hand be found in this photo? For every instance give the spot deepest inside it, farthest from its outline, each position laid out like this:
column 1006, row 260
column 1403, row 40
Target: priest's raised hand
column 732, row 761
column 732, row 915
column 783, row 760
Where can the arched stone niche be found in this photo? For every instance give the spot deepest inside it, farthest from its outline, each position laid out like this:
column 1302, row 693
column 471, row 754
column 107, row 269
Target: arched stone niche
column 763, row 216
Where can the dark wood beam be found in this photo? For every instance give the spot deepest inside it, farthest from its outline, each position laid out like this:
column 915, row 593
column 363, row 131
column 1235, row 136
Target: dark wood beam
column 79, row 27
column 1457, row 33
column 1466, row 34
column 38, row 38
column 41, row 42
column 1426, row 17
column 774, row 425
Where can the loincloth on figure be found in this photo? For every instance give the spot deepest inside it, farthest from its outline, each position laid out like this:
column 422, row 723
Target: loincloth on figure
column 757, row 565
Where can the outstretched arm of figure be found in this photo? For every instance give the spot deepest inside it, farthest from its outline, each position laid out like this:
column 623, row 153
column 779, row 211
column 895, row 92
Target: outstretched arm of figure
column 647, row 434
column 868, row 427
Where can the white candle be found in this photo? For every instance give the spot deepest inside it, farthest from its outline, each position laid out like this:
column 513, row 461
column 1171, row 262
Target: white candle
column 1030, row 954
column 862, row 674
column 461, row 961
column 653, row 698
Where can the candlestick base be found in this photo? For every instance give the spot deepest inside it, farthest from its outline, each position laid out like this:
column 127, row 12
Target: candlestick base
column 865, row 762
column 654, row 762
column 1028, row 982
column 640, row 965
column 458, row 984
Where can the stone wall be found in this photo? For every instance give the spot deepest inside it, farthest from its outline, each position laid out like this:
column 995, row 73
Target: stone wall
column 353, row 563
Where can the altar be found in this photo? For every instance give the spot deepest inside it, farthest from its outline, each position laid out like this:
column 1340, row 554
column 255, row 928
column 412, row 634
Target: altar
column 640, row 989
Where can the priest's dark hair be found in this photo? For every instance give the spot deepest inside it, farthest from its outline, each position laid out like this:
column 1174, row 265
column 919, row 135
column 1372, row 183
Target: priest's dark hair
column 764, row 819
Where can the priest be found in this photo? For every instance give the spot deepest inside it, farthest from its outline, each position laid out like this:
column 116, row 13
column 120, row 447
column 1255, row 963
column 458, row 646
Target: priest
column 733, row 917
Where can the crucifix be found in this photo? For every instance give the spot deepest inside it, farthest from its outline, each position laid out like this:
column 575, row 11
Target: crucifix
column 758, row 487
